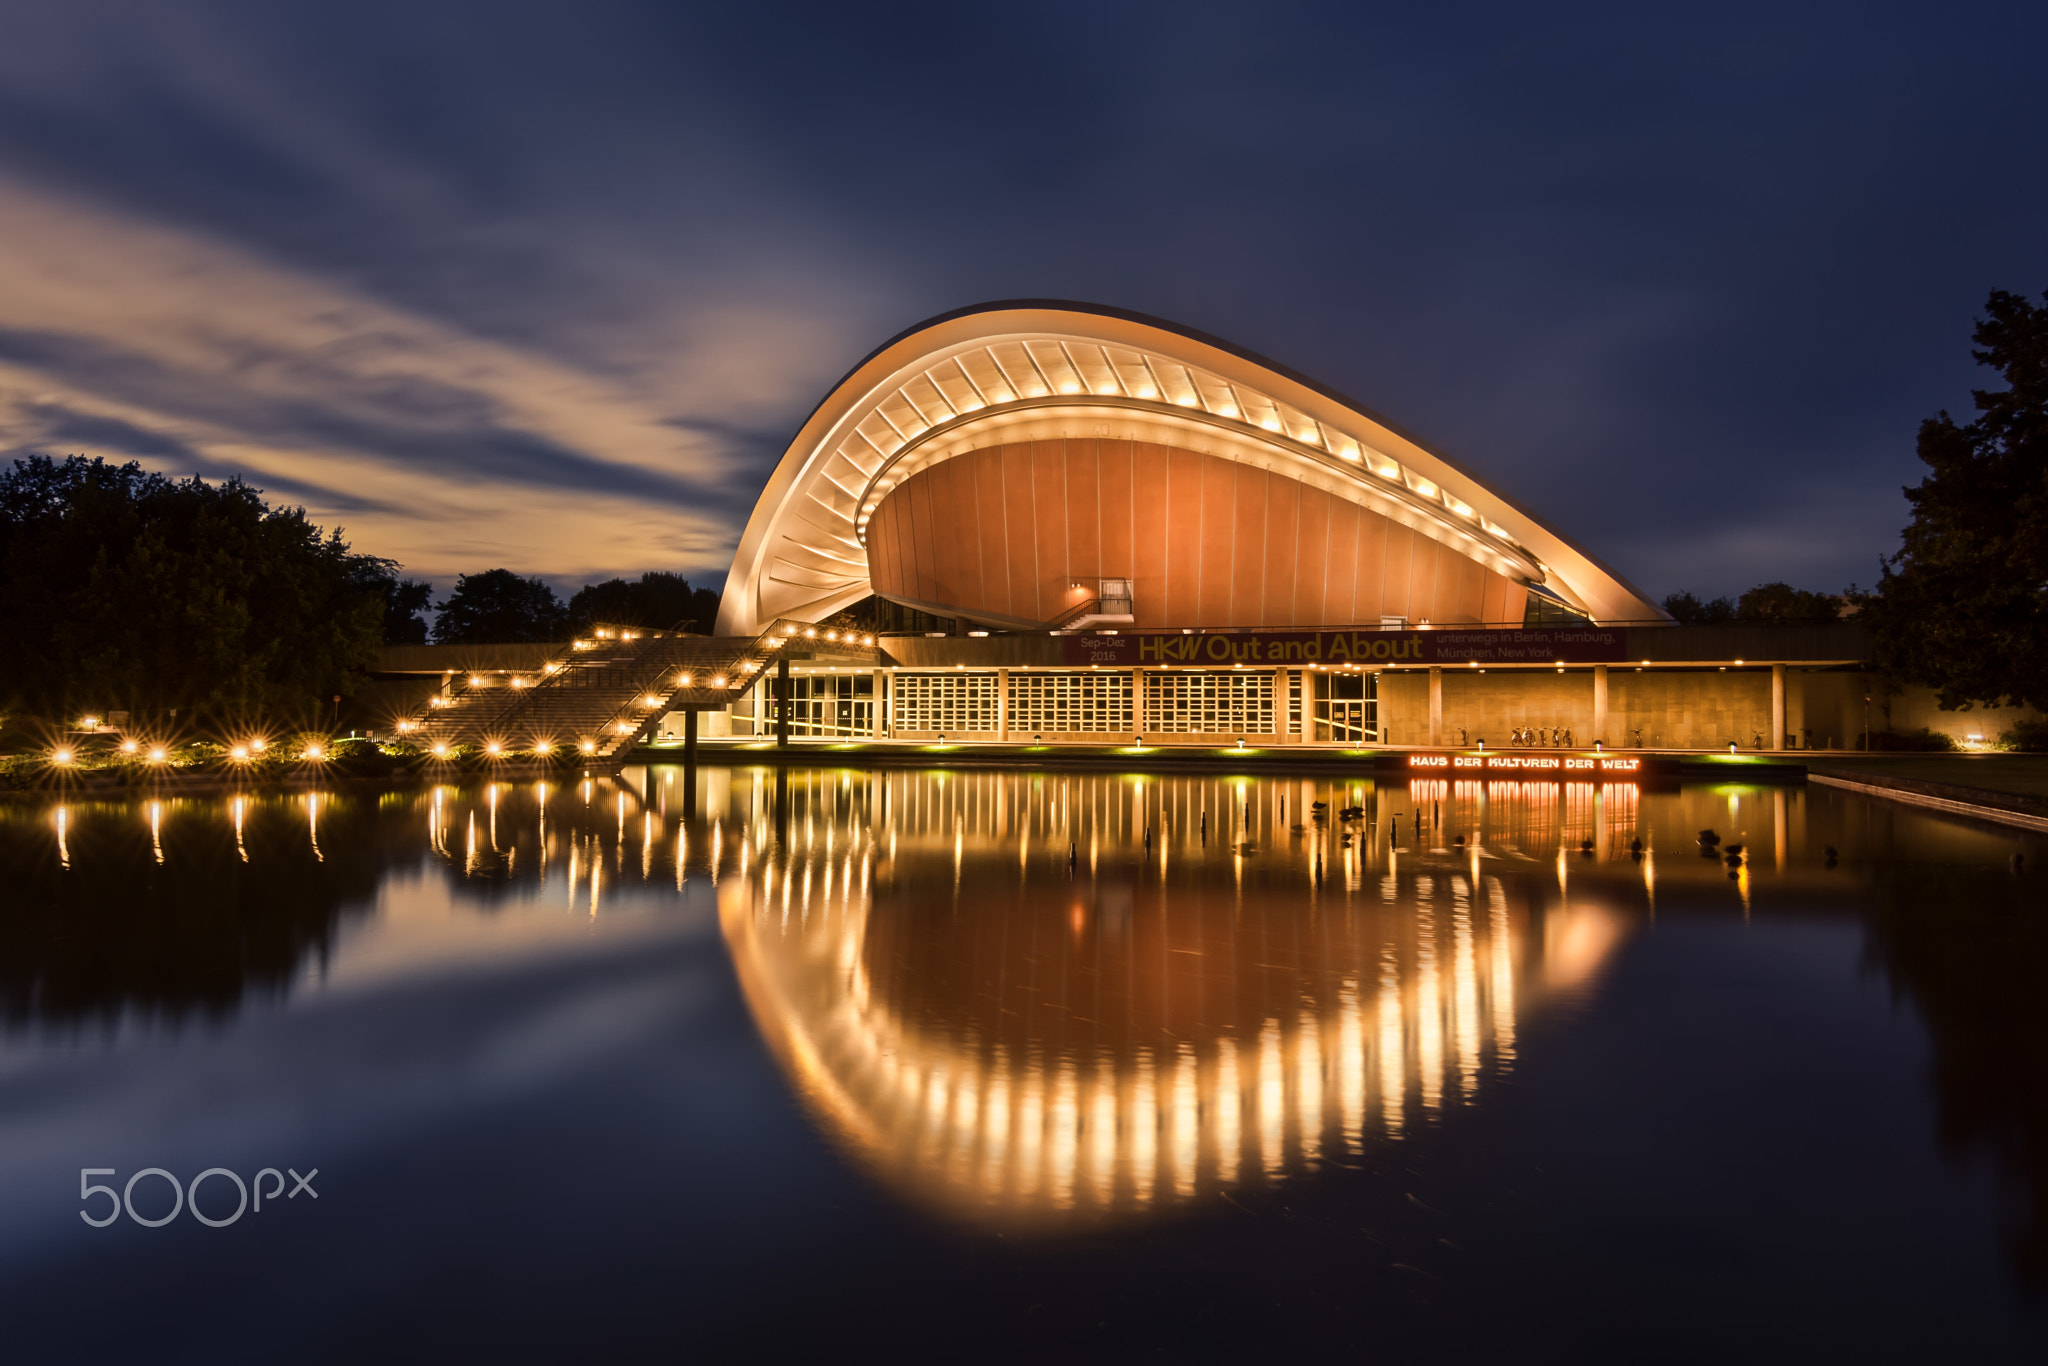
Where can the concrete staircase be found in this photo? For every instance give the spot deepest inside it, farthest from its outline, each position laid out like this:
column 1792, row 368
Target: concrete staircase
column 608, row 691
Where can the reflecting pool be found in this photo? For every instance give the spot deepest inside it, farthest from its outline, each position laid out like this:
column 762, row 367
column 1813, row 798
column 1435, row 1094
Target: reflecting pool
column 1015, row 1064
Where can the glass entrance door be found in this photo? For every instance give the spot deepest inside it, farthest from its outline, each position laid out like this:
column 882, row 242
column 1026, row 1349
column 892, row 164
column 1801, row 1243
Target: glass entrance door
column 1346, row 708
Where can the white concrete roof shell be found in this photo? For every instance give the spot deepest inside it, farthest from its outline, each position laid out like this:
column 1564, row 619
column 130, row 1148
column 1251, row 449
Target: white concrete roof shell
column 1041, row 369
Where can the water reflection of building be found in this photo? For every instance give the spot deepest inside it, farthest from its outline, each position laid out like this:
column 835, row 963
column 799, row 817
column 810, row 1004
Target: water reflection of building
column 989, row 989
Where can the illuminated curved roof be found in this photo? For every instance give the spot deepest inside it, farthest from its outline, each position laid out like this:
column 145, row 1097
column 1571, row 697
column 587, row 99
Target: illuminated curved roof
column 1036, row 369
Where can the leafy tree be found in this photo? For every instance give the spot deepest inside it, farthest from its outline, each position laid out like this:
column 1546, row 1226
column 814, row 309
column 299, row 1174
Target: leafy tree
column 656, row 600
column 1765, row 604
column 1963, row 607
column 497, row 607
column 404, row 601
column 1690, row 611
column 1782, row 603
column 126, row 590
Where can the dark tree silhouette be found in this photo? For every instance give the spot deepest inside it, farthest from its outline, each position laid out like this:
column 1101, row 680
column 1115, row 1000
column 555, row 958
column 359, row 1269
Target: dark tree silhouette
column 656, row 600
column 127, row 590
column 1690, row 611
column 1963, row 607
column 404, row 602
column 1765, row 604
column 497, row 607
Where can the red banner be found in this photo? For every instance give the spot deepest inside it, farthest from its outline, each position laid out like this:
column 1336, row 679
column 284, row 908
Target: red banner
column 1280, row 649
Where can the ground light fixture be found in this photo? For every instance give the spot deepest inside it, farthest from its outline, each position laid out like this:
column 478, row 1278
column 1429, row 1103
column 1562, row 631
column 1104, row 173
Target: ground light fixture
column 240, row 754
column 315, row 752
column 439, row 751
column 128, row 746
column 157, row 754
column 61, row 755
column 1731, row 746
column 259, row 744
column 493, row 748
column 588, row 746
column 543, row 748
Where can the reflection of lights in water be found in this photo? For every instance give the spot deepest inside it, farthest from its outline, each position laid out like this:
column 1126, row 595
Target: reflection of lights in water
column 64, row 845
column 156, row 830
column 238, row 808
column 1008, row 1076
column 1071, row 1044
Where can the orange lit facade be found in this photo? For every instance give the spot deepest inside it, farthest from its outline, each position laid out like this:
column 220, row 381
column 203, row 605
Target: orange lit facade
column 1067, row 523
column 1001, row 465
column 1021, row 533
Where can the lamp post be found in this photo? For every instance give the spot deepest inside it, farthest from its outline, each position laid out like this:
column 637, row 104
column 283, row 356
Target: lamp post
column 1866, row 723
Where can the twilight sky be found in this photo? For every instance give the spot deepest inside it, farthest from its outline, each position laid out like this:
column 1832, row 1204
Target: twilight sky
column 549, row 286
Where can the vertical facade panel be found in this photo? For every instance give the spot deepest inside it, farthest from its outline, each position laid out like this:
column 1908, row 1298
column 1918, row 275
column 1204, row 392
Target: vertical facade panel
column 1247, row 577
column 1312, row 571
column 1115, row 486
column 1517, row 603
column 949, row 579
column 1471, row 600
column 1494, row 600
column 1422, row 578
column 995, row 540
column 906, row 544
column 1148, row 533
column 1217, row 550
column 882, row 548
column 1049, row 512
column 920, row 509
column 1183, row 535
column 1342, row 567
column 1019, row 526
column 1283, row 550
column 1084, row 508
column 1400, row 554
column 1369, row 602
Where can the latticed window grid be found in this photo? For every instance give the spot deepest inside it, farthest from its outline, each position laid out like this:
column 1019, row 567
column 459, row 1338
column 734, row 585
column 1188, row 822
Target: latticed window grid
column 1209, row 703
column 955, row 702
column 1054, row 703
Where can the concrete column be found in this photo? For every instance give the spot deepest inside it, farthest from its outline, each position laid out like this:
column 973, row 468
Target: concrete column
column 1436, row 705
column 782, row 700
column 1777, row 707
column 1138, row 704
column 690, row 763
column 1283, row 695
column 881, row 723
column 1002, row 706
column 1599, row 702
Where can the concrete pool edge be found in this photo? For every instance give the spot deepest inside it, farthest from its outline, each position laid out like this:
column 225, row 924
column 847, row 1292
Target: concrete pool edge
column 1976, row 803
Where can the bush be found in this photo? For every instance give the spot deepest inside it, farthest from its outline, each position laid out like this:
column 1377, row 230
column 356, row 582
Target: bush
column 1919, row 741
column 2030, row 736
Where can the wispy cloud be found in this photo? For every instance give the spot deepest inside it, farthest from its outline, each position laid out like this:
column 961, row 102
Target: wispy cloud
column 440, row 447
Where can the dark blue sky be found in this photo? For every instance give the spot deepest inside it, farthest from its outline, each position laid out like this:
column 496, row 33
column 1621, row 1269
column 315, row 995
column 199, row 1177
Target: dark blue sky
column 549, row 285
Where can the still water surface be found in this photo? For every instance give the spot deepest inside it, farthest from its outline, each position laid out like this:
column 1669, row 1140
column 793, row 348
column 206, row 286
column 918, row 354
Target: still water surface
column 1013, row 1065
